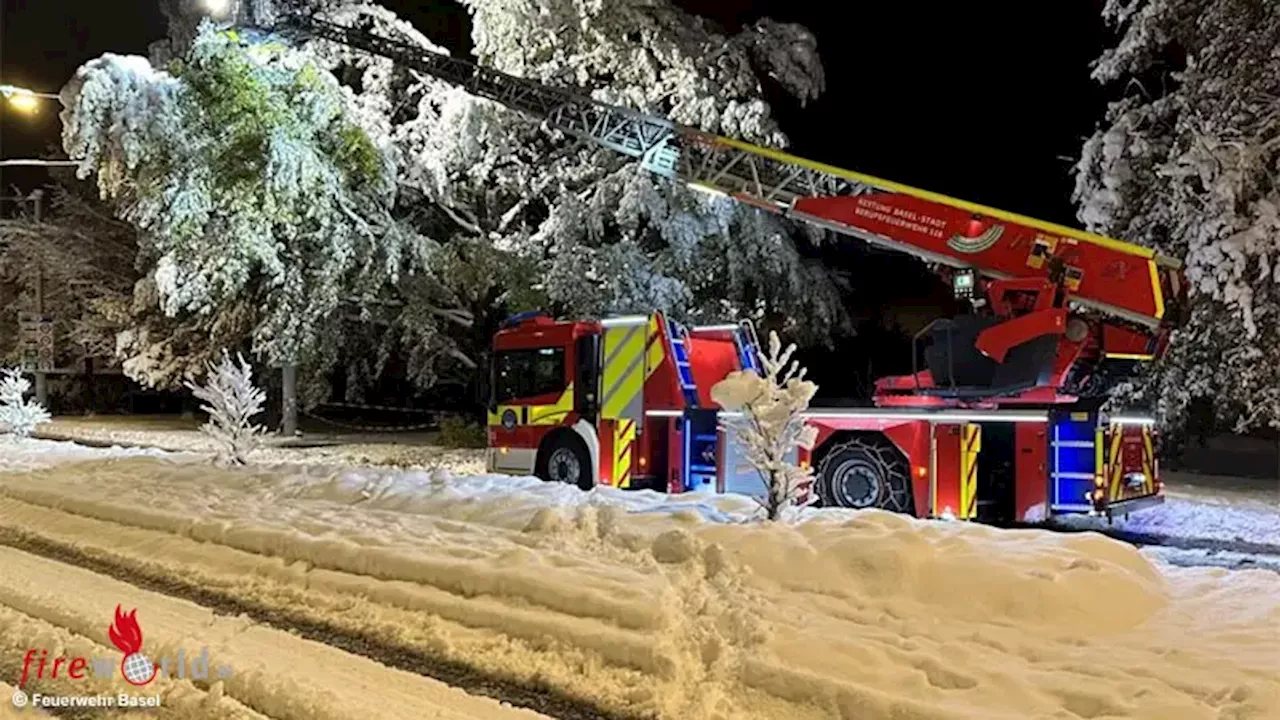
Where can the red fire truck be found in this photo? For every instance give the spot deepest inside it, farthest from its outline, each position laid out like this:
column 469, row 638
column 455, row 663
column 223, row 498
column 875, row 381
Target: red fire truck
column 1002, row 421
column 625, row 401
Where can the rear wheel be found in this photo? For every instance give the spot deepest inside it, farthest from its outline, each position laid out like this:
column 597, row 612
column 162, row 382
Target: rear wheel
column 865, row 471
column 565, row 459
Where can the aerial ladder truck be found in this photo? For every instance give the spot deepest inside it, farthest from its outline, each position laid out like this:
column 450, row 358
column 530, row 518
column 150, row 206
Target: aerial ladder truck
column 1001, row 423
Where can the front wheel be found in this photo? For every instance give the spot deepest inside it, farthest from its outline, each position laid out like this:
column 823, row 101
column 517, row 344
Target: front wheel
column 865, row 472
column 565, row 460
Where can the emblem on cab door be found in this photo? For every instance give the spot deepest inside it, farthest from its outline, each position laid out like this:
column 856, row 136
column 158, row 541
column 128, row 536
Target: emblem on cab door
column 509, row 419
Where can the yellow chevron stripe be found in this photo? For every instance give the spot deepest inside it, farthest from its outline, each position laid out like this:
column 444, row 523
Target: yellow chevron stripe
column 1099, row 463
column 971, row 439
column 623, row 375
column 1117, row 467
column 1148, row 461
column 653, row 360
column 624, row 440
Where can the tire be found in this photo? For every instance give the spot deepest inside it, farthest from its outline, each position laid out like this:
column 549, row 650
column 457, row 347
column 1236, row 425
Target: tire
column 865, row 471
column 565, row 459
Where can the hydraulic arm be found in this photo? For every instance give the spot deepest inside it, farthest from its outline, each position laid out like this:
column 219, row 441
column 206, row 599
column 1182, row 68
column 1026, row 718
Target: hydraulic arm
column 1119, row 294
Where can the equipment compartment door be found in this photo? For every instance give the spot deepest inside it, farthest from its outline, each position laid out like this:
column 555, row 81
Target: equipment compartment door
column 621, row 399
column 1074, row 460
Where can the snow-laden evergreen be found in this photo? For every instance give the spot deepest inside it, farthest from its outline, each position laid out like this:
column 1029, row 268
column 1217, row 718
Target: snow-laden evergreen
column 264, row 208
column 772, row 425
column 19, row 416
column 527, row 218
column 232, row 402
column 582, row 228
column 1186, row 162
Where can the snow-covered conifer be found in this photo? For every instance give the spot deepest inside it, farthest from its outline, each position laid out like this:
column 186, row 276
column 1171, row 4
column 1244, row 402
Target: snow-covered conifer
column 1186, row 162
column 772, row 425
column 264, row 208
column 18, row 415
column 232, row 401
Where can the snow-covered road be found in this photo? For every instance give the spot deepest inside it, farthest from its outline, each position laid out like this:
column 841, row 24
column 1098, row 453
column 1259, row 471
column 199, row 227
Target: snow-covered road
column 629, row 604
column 1205, row 520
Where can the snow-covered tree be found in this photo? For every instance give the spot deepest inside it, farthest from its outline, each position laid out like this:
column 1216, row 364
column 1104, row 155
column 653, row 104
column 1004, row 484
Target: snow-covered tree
column 232, row 402
column 771, row 425
column 86, row 257
column 19, row 416
column 564, row 224
column 265, row 210
column 1186, row 162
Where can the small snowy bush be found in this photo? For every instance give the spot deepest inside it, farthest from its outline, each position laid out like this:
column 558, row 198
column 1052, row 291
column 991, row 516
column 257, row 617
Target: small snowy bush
column 232, row 402
column 772, row 424
column 18, row 415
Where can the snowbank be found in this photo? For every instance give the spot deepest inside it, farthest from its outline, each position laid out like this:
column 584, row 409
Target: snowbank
column 32, row 453
column 678, row 607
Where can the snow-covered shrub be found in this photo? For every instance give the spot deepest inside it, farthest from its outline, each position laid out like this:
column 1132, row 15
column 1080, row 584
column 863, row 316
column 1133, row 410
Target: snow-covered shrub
column 232, row 401
column 19, row 416
column 457, row 432
column 772, row 425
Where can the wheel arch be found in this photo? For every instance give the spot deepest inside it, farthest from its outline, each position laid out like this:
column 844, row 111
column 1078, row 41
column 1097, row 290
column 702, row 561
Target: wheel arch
column 895, row 437
column 568, row 434
column 587, row 432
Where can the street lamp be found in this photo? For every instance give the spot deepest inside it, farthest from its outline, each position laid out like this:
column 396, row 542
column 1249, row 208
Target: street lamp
column 24, row 100
column 218, row 8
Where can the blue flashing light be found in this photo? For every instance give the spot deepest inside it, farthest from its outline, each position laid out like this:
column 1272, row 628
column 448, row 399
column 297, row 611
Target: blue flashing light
column 520, row 317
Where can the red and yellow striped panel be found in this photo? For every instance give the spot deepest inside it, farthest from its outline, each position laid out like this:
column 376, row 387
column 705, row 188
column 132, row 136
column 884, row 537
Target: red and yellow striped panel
column 971, row 445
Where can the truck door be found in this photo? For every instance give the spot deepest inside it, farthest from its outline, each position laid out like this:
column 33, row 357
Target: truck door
column 586, row 383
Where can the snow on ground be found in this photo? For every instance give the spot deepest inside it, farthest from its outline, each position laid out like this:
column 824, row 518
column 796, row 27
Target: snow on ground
column 8, row 711
column 274, row 671
column 175, row 434
column 34, row 453
column 21, row 632
column 669, row 606
column 1203, row 507
column 1199, row 557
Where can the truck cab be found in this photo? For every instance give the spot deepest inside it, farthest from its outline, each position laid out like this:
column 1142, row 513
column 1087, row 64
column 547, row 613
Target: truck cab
column 622, row 401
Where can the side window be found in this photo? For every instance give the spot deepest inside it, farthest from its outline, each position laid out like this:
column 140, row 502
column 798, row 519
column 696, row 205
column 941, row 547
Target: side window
column 523, row 374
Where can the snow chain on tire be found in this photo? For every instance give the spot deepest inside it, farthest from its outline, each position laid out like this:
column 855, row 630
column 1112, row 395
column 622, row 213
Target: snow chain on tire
column 874, row 453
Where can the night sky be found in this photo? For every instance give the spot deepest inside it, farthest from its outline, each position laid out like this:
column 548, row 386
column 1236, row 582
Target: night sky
column 979, row 101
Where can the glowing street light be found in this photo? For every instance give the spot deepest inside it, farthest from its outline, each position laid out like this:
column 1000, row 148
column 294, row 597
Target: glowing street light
column 218, row 8
column 23, row 100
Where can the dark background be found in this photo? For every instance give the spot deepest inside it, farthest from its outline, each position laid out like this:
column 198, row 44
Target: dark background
column 987, row 101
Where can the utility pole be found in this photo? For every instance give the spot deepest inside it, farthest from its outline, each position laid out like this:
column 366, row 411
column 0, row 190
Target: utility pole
column 289, row 409
column 42, row 378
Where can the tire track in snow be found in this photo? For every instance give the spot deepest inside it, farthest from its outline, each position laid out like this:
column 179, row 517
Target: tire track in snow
column 545, row 700
column 1209, row 547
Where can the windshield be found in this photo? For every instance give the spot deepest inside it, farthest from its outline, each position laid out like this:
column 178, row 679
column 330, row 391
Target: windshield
column 522, row 374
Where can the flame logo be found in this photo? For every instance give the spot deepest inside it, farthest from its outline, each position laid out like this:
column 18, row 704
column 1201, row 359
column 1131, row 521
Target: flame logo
column 125, row 632
column 136, row 668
